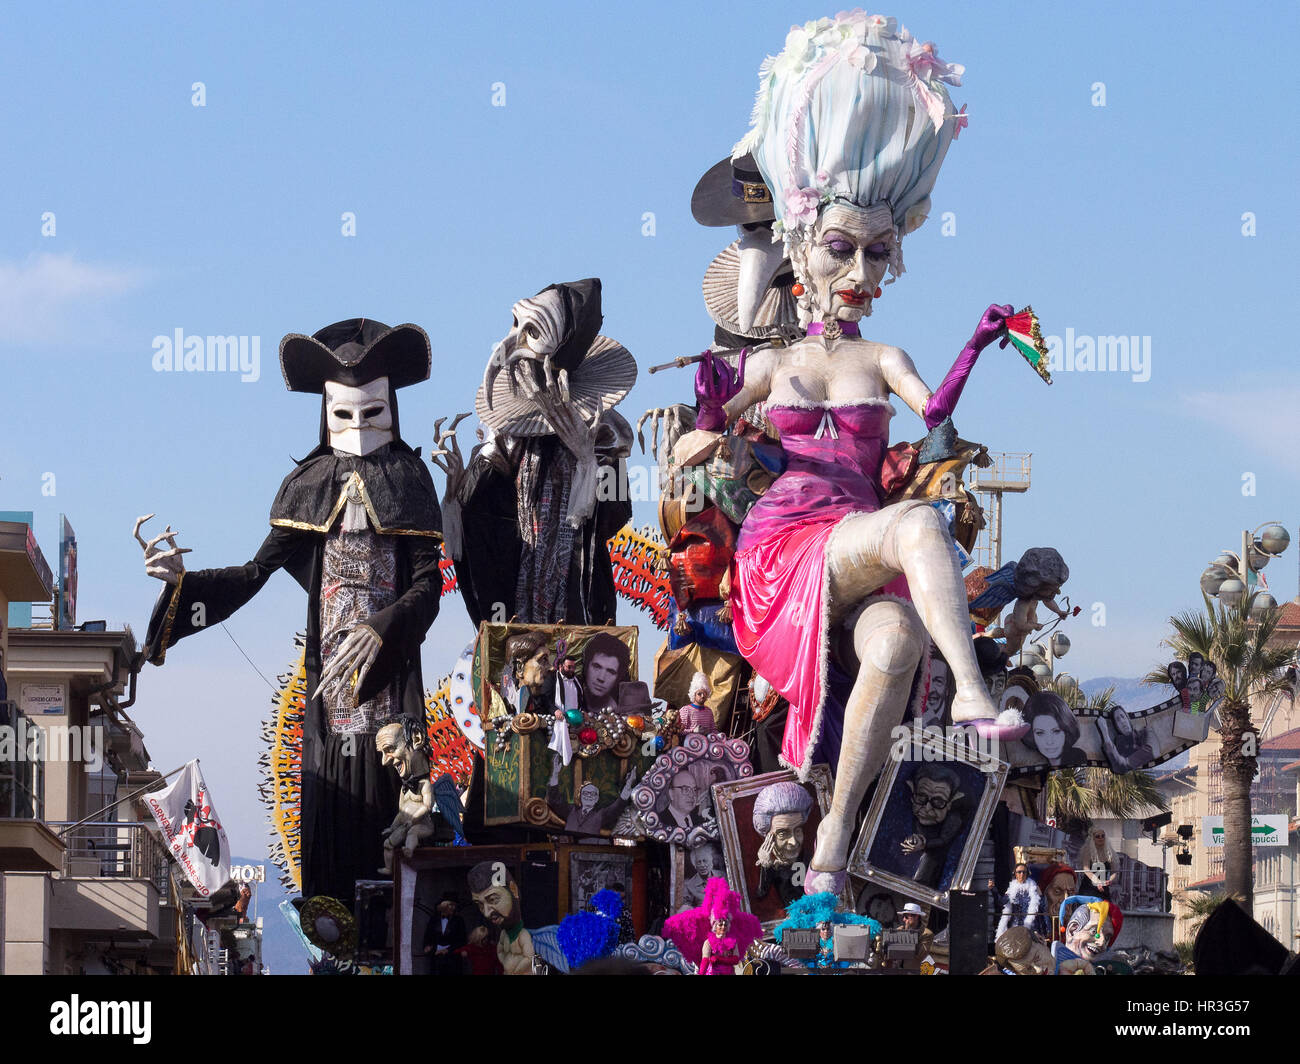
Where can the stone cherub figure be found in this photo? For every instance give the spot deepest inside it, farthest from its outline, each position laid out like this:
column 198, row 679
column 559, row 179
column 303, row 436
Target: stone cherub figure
column 1036, row 578
column 403, row 745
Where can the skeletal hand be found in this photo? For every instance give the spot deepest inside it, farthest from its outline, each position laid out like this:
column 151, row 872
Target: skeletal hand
column 164, row 565
column 357, row 654
column 446, row 454
column 677, row 420
column 562, row 415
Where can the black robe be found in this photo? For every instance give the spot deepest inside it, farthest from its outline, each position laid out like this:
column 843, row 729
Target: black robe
column 487, row 567
column 348, row 797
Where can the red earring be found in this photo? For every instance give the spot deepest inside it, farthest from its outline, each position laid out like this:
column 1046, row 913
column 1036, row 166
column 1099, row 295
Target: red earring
column 877, row 295
column 796, row 290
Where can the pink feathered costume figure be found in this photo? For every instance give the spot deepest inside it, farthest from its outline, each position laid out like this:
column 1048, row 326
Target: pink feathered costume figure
column 716, row 935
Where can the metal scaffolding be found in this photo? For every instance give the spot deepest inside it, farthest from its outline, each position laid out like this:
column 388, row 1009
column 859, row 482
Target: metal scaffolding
column 1008, row 473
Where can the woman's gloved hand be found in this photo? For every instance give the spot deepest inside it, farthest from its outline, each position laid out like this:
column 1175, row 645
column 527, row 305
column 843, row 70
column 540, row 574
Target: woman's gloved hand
column 715, row 383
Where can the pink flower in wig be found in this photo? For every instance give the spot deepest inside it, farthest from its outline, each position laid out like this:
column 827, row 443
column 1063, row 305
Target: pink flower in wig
column 801, row 206
column 923, row 61
column 857, row 54
column 878, row 27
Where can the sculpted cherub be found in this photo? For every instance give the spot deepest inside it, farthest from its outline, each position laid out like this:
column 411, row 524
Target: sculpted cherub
column 1038, row 578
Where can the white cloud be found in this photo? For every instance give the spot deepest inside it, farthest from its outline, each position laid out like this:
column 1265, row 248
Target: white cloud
column 42, row 299
column 1264, row 418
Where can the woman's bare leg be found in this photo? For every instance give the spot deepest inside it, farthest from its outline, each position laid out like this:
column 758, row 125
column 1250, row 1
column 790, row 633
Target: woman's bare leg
column 889, row 640
column 913, row 539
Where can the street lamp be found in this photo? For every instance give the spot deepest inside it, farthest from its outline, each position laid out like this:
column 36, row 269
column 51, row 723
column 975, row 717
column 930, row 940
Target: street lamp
column 1229, row 576
column 1041, row 658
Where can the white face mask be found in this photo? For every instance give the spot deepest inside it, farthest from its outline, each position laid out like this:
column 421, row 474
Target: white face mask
column 359, row 420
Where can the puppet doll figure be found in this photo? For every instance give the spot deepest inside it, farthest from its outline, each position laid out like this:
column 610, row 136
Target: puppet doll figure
column 851, row 126
column 716, row 935
column 357, row 524
column 402, row 745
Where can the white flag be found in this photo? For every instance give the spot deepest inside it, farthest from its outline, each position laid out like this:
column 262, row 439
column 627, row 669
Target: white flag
column 192, row 830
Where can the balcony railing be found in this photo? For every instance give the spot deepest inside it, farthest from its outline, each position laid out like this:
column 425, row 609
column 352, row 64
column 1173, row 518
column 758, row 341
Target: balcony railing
column 122, row 850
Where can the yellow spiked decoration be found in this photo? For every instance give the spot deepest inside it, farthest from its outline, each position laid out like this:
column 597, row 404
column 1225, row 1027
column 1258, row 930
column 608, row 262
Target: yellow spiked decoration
column 281, row 788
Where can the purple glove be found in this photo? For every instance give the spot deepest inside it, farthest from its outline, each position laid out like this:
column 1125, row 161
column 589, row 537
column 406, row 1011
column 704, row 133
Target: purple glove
column 715, row 383
column 944, row 400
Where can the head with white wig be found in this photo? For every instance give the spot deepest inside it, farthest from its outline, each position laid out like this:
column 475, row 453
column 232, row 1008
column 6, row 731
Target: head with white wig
column 780, row 811
column 701, row 690
column 851, row 125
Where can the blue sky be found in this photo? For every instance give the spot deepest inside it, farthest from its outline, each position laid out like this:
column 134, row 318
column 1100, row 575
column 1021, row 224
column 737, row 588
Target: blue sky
column 1123, row 219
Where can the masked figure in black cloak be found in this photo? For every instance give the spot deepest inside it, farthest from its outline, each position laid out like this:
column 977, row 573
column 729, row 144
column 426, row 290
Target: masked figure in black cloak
column 357, row 524
column 530, row 515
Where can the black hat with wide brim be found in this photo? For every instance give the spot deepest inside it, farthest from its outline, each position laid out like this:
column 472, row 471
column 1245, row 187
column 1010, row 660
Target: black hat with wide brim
column 732, row 192
column 355, row 352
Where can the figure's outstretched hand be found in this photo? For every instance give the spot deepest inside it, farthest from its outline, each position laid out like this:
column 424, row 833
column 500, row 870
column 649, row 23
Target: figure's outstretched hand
column 565, row 419
column 357, row 654
column 446, row 453
column 676, row 420
column 992, row 325
column 164, row 565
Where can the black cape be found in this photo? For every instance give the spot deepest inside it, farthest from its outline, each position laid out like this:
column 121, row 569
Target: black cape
column 348, row 797
column 487, row 567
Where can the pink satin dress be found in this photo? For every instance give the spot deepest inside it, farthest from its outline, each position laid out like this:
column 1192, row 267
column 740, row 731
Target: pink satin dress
column 779, row 592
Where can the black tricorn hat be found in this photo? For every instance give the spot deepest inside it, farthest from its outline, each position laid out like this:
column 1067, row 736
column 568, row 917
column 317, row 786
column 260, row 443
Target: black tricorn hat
column 732, row 192
column 355, row 352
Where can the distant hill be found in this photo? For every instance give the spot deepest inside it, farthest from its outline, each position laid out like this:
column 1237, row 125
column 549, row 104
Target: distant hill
column 1129, row 693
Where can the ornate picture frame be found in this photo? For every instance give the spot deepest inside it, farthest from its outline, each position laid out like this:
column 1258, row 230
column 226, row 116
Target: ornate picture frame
column 674, row 797
column 741, row 842
column 923, row 859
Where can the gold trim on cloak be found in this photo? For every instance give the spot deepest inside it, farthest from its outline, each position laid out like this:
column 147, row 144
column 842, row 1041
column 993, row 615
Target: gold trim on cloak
column 353, row 480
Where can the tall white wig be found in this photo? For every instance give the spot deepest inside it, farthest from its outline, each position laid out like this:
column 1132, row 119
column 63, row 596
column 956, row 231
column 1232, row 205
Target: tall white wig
column 854, row 109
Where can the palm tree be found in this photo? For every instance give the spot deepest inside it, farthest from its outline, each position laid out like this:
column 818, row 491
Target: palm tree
column 1236, row 639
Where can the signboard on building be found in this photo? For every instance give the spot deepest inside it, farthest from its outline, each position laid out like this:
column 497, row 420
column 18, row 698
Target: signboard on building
column 42, row 699
column 248, row 873
column 67, row 617
column 1265, row 830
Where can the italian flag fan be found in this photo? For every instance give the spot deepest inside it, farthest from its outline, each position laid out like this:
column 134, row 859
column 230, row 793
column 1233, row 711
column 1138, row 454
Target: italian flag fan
column 1022, row 330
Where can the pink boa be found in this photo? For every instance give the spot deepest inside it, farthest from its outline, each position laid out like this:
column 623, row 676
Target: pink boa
column 689, row 930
